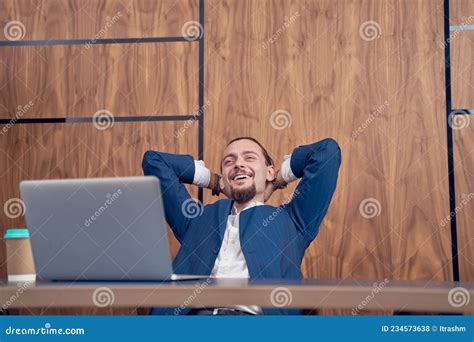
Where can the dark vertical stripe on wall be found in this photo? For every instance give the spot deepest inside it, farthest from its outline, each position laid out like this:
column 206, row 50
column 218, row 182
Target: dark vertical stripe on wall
column 201, row 89
column 452, row 198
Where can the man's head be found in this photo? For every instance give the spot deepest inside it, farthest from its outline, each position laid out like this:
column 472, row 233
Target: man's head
column 246, row 168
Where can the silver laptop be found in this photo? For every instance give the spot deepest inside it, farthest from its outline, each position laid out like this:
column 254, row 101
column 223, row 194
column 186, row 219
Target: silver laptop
column 98, row 229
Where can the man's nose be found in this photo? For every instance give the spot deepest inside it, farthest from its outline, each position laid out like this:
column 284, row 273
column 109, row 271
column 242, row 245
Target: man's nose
column 239, row 163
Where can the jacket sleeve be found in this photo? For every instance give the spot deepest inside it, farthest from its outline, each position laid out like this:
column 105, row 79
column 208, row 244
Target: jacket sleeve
column 318, row 166
column 173, row 170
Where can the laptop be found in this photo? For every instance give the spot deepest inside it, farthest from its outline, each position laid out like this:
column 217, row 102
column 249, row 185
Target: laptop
column 98, row 229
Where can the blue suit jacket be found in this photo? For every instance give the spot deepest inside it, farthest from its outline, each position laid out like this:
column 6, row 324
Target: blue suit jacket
column 273, row 239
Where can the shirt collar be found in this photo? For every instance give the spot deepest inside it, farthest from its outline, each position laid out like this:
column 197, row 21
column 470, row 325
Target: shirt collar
column 250, row 205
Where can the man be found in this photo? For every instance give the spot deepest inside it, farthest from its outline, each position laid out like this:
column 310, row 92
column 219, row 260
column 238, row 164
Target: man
column 241, row 236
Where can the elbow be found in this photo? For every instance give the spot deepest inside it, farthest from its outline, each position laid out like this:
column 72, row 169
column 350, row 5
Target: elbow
column 331, row 150
column 325, row 151
column 330, row 145
column 150, row 154
column 150, row 158
column 318, row 153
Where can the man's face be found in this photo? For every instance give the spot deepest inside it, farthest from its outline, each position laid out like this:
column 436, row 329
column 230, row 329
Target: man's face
column 244, row 171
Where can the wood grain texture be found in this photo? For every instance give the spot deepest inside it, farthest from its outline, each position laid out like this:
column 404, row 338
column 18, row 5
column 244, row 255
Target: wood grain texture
column 462, row 69
column 49, row 151
column 77, row 81
column 461, row 12
column 464, row 176
column 381, row 99
column 86, row 19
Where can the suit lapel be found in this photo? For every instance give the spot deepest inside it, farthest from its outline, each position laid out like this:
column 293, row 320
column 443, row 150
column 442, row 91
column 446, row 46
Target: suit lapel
column 223, row 215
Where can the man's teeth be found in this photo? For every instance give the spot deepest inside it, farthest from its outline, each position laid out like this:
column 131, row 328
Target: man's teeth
column 239, row 177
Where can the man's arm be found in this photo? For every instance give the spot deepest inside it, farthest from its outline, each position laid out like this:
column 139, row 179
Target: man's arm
column 317, row 165
column 173, row 170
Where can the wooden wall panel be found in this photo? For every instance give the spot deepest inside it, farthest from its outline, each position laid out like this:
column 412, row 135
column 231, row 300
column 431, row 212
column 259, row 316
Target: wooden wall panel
column 84, row 19
column 462, row 69
column 146, row 79
column 461, row 12
column 312, row 59
column 55, row 151
column 464, row 176
column 76, row 81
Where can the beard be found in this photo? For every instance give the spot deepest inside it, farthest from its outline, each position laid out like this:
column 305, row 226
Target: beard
column 243, row 195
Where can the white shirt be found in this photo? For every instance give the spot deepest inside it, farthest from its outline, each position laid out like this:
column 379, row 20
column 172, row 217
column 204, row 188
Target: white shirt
column 230, row 262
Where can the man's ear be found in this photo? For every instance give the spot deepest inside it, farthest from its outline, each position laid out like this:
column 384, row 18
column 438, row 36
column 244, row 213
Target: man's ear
column 270, row 173
column 221, row 182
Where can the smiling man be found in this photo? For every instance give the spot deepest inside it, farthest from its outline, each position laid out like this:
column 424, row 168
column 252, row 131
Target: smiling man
column 248, row 173
column 241, row 237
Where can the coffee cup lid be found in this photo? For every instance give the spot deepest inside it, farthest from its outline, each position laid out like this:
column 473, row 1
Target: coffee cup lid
column 18, row 233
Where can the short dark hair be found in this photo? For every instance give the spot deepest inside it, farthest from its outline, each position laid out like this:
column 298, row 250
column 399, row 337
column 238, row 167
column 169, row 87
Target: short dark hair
column 268, row 159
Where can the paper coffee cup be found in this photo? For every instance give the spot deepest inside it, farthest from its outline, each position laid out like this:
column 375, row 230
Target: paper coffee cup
column 20, row 263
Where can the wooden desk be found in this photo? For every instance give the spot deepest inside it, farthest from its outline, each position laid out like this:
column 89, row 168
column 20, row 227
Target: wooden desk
column 306, row 294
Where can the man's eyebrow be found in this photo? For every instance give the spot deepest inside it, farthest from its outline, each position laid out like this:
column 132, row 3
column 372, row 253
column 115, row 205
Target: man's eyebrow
column 228, row 155
column 244, row 152
column 250, row 151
